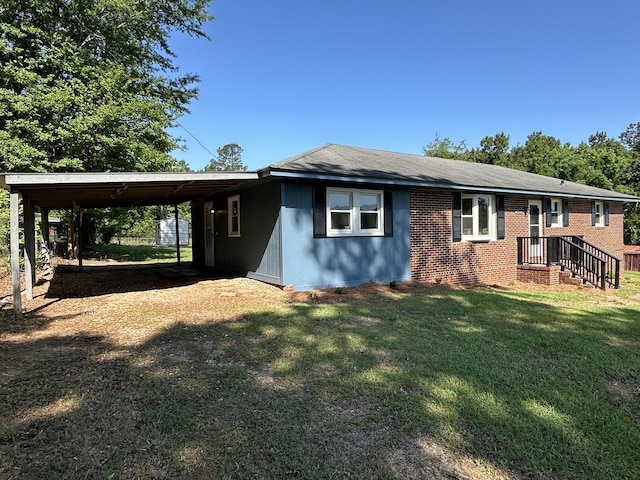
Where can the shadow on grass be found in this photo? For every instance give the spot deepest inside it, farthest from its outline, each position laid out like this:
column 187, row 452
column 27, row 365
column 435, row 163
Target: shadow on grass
column 357, row 388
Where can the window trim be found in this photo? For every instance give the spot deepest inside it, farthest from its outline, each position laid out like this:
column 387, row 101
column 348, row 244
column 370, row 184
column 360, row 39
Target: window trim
column 355, row 229
column 231, row 232
column 492, row 218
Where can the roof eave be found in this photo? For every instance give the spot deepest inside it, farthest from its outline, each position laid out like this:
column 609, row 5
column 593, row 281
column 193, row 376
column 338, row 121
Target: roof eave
column 25, row 179
column 279, row 173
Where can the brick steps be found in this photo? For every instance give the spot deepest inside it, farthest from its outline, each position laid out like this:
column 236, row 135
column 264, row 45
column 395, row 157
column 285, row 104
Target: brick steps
column 567, row 279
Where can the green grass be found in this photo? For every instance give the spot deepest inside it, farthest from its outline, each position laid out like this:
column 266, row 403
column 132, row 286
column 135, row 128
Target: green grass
column 540, row 384
column 138, row 253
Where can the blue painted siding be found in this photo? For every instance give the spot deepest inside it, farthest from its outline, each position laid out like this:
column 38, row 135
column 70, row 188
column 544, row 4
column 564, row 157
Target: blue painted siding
column 257, row 252
column 326, row 262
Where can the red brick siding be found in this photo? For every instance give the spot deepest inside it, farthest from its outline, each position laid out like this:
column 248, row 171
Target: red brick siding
column 539, row 274
column 610, row 238
column 435, row 257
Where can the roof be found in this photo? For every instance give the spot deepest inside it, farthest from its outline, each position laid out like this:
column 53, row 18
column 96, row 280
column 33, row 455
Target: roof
column 122, row 189
column 353, row 164
column 330, row 162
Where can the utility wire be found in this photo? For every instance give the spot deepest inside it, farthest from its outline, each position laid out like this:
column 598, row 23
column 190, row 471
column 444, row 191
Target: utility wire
column 199, row 142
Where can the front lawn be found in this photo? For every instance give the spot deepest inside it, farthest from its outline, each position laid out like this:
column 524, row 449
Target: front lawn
column 138, row 253
column 191, row 382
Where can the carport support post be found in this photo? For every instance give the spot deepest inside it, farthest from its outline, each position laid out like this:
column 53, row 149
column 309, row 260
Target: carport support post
column 44, row 226
column 14, row 210
column 175, row 212
column 44, row 233
column 80, row 238
column 29, row 246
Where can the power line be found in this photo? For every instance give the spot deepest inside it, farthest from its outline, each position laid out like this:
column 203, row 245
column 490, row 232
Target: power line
column 199, row 142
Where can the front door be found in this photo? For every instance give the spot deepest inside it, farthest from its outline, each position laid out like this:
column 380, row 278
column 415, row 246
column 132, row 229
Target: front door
column 209, row 235
column 535, row 231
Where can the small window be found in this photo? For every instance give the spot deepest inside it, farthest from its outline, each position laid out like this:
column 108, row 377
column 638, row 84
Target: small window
column 477, row 217
column 354, row 212
column 556, row 212
column 598, row 214
column 233, row 205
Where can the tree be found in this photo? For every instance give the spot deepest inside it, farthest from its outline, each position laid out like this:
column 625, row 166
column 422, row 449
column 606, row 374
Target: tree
column 493, row 150
column 182, row 166
column 90, row 85
column 445, row 148
column 630, row 138
column 229, row 160
column 544, row 155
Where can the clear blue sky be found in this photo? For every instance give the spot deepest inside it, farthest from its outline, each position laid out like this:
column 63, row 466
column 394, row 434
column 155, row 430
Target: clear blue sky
column 280, row 77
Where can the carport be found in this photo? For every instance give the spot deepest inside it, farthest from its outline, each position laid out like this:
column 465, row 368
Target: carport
column 64, row 191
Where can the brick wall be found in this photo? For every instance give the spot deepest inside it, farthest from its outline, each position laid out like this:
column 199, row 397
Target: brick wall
column 435, row 257
column 610, row 238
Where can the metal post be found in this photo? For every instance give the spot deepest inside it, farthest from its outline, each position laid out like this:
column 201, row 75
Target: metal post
column 520, row 244
column 15, row 251
column 175, row 211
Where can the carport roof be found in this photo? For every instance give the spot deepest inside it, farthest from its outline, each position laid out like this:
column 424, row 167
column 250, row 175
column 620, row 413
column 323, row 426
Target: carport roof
column 120, row 189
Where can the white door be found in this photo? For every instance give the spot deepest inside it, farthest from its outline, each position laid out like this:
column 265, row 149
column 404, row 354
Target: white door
column 209, row 235
column 535, row 231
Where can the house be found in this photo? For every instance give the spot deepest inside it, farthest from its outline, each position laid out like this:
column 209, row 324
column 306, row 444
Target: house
column 341, row 216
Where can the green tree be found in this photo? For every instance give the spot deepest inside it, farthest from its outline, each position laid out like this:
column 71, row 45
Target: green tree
column 446, row 148
column 631, row 137
column 544, row 155
column 91, row 85
column 493, row 150
column 229, row 159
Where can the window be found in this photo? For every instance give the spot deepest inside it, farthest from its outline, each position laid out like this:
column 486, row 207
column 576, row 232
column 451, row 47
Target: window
column 354, row 212
column 556, row 212
column 233, row 207
column 477, row 217
column 597, row 214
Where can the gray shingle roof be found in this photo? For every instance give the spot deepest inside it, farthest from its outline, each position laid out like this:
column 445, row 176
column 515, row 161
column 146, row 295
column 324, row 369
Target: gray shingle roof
column 340, row 162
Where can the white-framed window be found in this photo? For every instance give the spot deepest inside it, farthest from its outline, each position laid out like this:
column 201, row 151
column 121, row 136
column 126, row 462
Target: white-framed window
column 354, row 212
column 477, row 215
column 556, row 212
column 598, row 214
column 233, row 209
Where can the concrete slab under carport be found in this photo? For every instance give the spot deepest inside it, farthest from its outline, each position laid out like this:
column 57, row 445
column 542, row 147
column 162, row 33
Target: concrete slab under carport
column 63, row 191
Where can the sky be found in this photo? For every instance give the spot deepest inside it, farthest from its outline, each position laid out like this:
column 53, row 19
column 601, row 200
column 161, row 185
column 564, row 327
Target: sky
column 281, row 77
